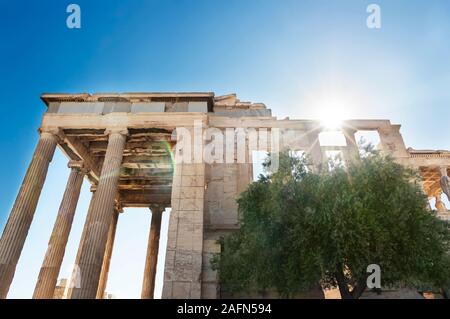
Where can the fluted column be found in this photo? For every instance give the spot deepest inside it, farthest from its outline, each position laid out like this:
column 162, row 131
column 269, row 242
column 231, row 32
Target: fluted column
column 21, row 216
column 48, row 275
column 74, row 280
column 94, row 243
column 151, row 261
column 107, row 258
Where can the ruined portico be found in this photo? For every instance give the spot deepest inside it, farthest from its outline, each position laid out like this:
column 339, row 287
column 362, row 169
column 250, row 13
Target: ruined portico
column 124, row 144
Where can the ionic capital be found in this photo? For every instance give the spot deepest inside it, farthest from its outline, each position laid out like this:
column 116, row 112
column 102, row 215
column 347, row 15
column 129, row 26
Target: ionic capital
column 116, row 130
column 118, row 207
column 79, row 165
column 53, row 132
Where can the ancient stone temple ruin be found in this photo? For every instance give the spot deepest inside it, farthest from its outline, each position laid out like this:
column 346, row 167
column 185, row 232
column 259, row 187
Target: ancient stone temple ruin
column 128, row 147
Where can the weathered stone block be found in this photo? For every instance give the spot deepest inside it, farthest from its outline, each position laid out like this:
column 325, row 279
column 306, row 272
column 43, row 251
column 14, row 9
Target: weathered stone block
column 197, row 262
column 169, row 274
column 196, row 290
column 230, row 187
column 175, row 204
column 197, row 238
column 183, row 266
column 185, row 236
column 167, row 290
column 230, row 171
column 81, row 108
column 170, row 259
column 181, row 290
column 192, row 181
column 148, row 107
column 180, row 107
column 211, row 246
column 176, row 182
column 53, row 107
column 191, row 204
column 191, row 216
column 111, row 107
column 176, row 192
column 193, row 170
column 198, row 107
column 217, row 172
column 209, row 290
column 192, row 192
column 208, row 275
column 172, row 235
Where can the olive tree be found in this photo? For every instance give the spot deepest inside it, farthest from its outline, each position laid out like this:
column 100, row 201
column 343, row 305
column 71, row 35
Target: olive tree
column 299, row 228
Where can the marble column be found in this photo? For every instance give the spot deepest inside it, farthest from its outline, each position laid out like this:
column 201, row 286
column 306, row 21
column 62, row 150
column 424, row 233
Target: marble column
column 21, row 216
column 107, row 258
column 51, row 266
column 94, row 243
column 74, row 279
column 151, row 261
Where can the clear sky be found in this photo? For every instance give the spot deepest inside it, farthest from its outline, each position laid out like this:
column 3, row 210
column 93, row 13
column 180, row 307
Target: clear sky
column 300, row 58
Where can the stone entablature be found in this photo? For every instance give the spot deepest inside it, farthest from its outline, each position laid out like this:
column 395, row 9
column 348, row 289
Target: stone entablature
column 124, row 145
column 101, row 104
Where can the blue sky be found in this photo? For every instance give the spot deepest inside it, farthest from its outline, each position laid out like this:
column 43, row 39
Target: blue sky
column 295, row 56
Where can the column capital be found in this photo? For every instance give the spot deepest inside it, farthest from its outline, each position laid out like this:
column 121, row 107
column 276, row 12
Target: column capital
column 117, row 130
column 53, row 132
column 443, row 170
column 157, row 208
column 118, row 207
column 80, row 165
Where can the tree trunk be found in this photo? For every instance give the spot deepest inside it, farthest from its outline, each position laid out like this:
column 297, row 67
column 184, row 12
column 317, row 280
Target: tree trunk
column 343, row 287
column 359, row 289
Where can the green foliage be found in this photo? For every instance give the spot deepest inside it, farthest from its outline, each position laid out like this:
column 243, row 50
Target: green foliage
column 299, row 228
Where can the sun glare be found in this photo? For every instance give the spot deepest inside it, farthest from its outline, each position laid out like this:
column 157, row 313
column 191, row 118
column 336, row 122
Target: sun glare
column 331, row 118
column 332, row 113
column 331, row 122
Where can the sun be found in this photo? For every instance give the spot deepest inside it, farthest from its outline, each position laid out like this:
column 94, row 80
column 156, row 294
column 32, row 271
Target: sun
column 332, row 108
column 332, row 116
column 331, row 121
